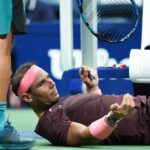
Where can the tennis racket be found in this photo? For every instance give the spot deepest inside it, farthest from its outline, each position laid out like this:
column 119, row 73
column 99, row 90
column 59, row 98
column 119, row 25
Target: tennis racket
column 112, row 21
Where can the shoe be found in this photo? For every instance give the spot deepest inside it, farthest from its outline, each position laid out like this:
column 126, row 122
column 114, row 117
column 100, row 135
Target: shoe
column 11, row 139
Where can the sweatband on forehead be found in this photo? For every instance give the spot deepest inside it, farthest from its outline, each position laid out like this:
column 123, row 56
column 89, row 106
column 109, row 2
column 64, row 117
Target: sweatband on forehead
column 28, row 79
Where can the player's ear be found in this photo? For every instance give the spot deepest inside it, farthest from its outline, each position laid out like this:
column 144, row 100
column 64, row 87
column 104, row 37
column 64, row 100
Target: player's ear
column 27, row 97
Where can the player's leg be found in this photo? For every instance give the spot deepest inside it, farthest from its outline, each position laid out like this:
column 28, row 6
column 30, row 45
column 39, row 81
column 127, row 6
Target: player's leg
column 5, row 67
column 9, row 137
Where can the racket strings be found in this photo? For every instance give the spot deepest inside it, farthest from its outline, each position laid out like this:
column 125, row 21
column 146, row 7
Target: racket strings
column 90, row 12
column 101, row 15
column 110, row 19
column 101, row 18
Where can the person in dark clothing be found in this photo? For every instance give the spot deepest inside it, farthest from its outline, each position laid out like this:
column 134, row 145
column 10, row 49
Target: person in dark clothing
column 89, row 118
column 38, row 11
column 12, row 22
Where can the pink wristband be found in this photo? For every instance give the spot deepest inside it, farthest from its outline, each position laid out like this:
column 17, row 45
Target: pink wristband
column 100, row 129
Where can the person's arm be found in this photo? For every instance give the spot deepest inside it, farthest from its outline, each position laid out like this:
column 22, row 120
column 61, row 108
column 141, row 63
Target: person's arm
column 100, row 129
column 79, row 134
column 91, row 82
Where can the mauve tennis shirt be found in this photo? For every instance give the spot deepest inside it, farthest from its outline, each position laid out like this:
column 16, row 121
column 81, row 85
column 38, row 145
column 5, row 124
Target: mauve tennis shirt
column 134, row 129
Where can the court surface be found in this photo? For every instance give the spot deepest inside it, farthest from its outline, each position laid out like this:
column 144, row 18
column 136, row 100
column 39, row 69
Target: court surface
column 25, row 120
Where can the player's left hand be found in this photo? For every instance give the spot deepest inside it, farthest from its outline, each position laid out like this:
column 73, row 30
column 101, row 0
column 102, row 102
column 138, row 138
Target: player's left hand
column 87, row 78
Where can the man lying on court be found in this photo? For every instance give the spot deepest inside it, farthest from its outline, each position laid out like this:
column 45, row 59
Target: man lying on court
column 89, row 118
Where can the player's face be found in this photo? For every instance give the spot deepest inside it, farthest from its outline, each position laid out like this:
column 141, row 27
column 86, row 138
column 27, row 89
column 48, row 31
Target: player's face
column 44, row 89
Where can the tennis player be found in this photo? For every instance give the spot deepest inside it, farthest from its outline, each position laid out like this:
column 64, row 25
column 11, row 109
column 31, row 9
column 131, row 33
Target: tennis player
column 89, row 118
column 12, row 21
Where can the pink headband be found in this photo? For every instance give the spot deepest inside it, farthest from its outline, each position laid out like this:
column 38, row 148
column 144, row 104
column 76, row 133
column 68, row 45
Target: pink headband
column 28, row 79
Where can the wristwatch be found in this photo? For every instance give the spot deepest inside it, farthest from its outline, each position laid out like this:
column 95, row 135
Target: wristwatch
column 113, row 120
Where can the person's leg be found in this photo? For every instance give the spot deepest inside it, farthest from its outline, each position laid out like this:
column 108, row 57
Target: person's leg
column 5, row 65
column 9, row 137
column 5, row 68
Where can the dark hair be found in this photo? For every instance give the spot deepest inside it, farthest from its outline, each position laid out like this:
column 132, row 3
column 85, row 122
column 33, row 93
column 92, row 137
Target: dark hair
column 18, row 75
